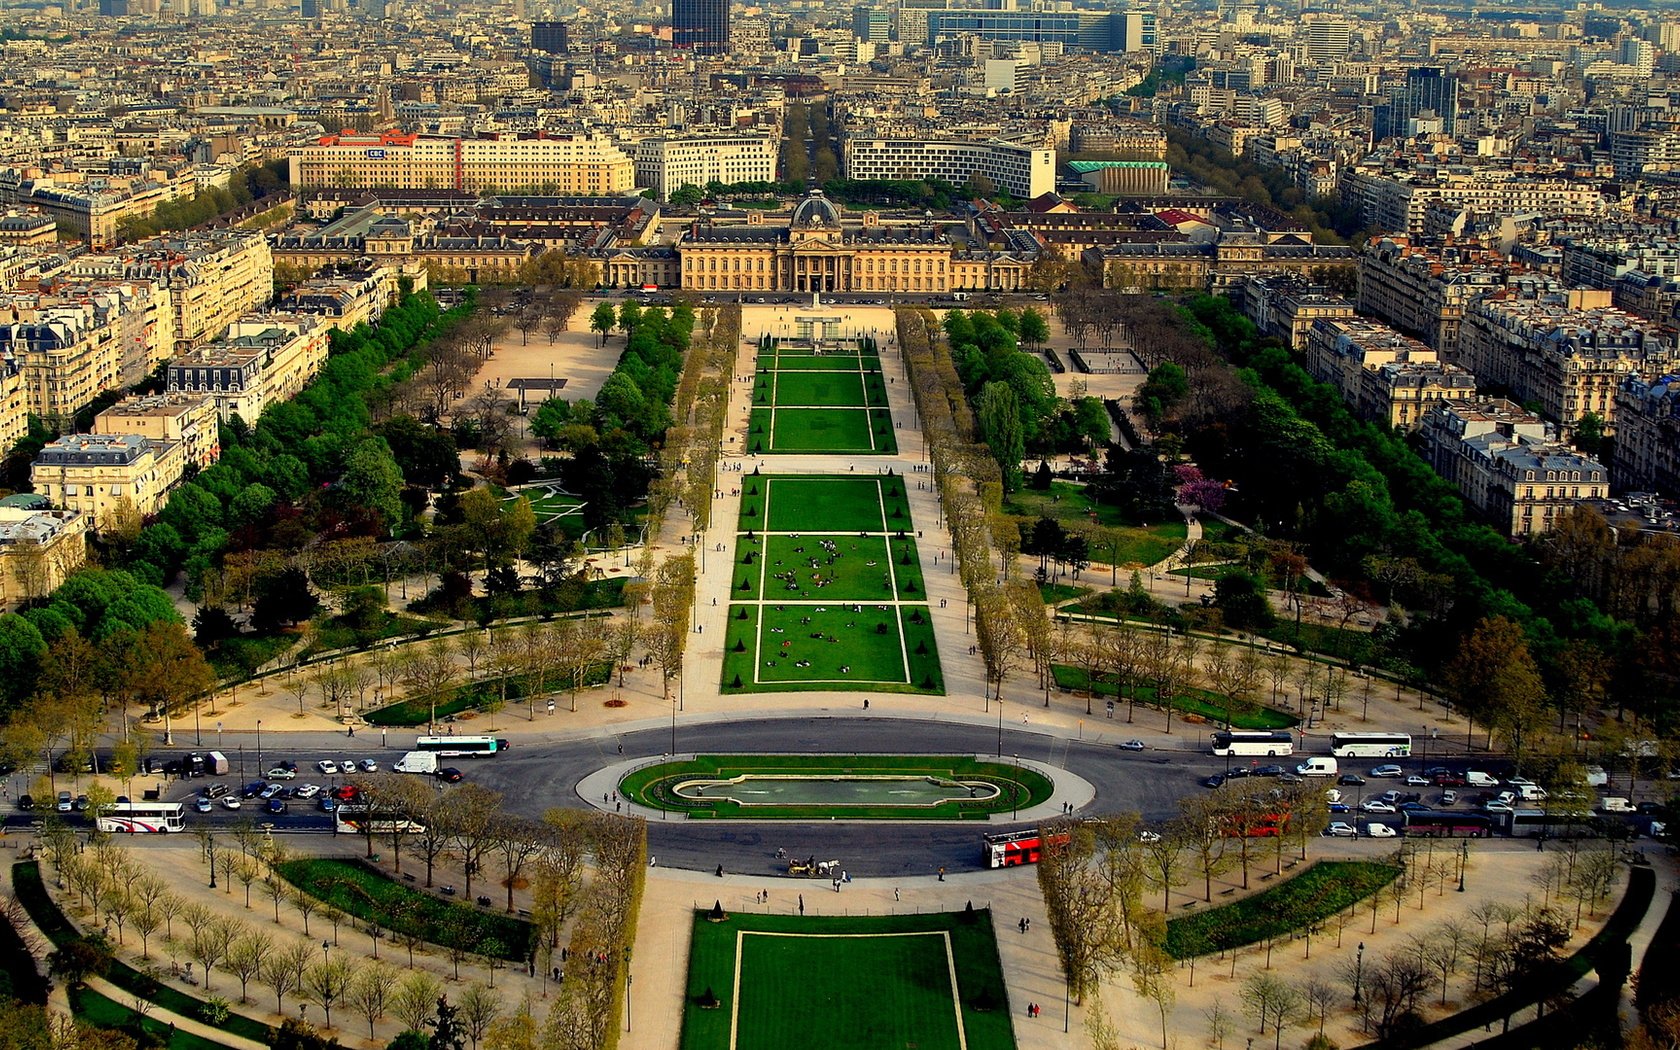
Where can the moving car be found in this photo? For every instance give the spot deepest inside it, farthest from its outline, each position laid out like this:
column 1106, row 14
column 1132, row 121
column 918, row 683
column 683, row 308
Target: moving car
column 1380, row 831
column 1387, row 771
column 231, row 802
column 1217, row 780
column 1350, row 780
column 1377, row 805
column 276, row 806
column 449, row 775
column 1341, row 830
column 1132, row 745
column 202, row 803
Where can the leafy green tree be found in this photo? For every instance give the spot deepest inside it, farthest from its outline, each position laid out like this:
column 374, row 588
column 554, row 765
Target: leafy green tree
column 604, row 320
column 252, row 506
column 686, row 196
column 373, row 480
column 629, row 316
column 284, row 597
column 1162, row 392
column 428, row 456
column 1241, row 596
column 1000, row 427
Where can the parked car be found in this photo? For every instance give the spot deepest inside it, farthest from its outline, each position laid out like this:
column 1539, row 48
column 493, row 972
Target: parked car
column 276, row 806
column 1447, row 778
column 1413, row 807
column 203, row 804
column 1132, row 745
column 282, row 773
column 449, row 775
column 1340, row 807
column 1497, row 806
column 1507, row 797
column 1650, row 808
column 1217, row 780
column 1417, row 780
column 327, row 767
column 1238, row 771
column 231, row 803
column 328, row 804
column 253, row 789
column 1350, row 780
column 1341, row 830
column 1376, row 805
column 369, row 765
column 1290, row 778
column 1268, row 771
column 1332, row 795
column 1380, row 831
column 268, row 793
column 65, row 802
column 81, row 804
column 1449, row 798
column 346, row 792
column 26, row 801
column 1145, row 835
column 1387, row 771
column 215, row 791
column 307, row 791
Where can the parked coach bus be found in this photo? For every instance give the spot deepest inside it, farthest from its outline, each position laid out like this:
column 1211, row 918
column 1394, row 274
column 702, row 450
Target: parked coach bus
column 1371, row 745
column 1444, row 823
column 1244, row 742
column 131, row 817
column 1017, row 847
column 461, row 746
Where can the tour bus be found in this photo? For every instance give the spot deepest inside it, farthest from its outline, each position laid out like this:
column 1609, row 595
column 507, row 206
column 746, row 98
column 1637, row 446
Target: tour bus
column 1371, row 745
column 461, row 746
column 131, row 817
column 354, row 820
column 1244, row 742
column 1444, row 823
column 1017, row 847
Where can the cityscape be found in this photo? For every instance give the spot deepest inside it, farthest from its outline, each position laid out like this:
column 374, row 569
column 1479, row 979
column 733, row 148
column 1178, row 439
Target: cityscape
column 471, row 575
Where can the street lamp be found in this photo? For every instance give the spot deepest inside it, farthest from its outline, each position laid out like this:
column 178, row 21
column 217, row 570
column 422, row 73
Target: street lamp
column 198, row 733
column 1015, row 790
column 1000, row 724
column 1463, row 862
column 259, row 747
column 629, row 982
column 325, row 947
column 1358, row 971
column 218, row 734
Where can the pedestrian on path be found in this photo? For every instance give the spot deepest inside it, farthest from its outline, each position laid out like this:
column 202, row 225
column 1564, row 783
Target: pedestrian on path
column 801, row 904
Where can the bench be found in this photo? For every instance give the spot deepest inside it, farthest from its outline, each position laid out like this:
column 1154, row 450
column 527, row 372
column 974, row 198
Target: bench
column 1227, row 893
column 408, row 876
column 1268, row 875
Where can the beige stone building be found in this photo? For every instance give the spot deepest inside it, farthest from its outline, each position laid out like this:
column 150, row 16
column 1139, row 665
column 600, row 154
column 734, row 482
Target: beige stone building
column 1284, row 306
column 190, row 419
column 1503, row 461
column 1647, row 445
column 105, row 476
column 73, row 344
column 1423, row 292
column 39, row 548
column 266, row 358
column 567, row 164
column 1386, row 377
column 1567, row 352
column 211, row 278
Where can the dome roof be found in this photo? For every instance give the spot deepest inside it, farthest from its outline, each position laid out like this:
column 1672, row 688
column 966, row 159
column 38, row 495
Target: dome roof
column 816, row 210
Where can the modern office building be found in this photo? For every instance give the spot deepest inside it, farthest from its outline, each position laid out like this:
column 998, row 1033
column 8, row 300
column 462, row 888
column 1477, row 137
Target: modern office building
column 1327, row 41
column 701, row 26
column 565, row 164
column 1022, row 170
column 1429, row 91
column 549, row 37
column 873, row 24
column 665, row 165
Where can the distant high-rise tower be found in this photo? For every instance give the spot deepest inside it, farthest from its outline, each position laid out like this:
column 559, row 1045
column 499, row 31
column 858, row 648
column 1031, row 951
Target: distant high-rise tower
column 113, row 8
column 700, row 25
column 310, row 8
column 1429, row 90
column 549, row 37
column 873, row 24
column 1327, row 42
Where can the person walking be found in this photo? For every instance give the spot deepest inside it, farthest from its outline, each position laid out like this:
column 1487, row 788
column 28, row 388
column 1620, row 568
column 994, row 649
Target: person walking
column 801, row 904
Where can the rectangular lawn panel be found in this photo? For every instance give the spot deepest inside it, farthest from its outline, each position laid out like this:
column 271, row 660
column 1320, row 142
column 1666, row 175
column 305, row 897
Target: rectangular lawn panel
column 858, row 570
column 848, row 983
column 808, row 362
column 836, row 430
column 829, row 503
column 841, row 647
column 819, row 389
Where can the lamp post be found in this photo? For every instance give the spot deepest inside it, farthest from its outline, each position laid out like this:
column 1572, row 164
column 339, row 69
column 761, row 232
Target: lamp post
column 1015, row 791
column 629, row 982
column 1358, row 971
column 218, row 734
column 1463, row 862
column 198, row 732
column 210, row 851
column 259, row 747
column 1000, row 724
column 325, row 948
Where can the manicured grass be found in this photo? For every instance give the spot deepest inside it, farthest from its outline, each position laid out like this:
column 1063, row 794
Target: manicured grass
column 1200, row 702
column 847, row 983
column 1216, row 531
column 822, row 430
column 857, row 571
column 1068, row 501
column 805, row 503
column 877, row 659
column 818, row 390
column 829, row 403
column 367, row 894
column 1019, row 787
column 550, row 504
column 1351, row 644
column 481, row 694
column 32, row 894
column 1061, row 592
column 1294, row 904
column 1207, row 572
column 102, row 1012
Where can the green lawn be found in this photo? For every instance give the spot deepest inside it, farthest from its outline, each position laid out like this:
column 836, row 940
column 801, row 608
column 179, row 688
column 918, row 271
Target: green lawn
column 102, row 1012
column 1294, row 904
column 1351, row 644
column 776, row 567
column 481, row 695
column 803, row 503
column 367, row 894
column 821, row 430
column 1067, row 501
column 829, row 403
column 1201, row 702
column 1061, row 592
column 818, row 390
column 928, row 982
column 876, row 658
column 1207, row 572
column 1018, row 787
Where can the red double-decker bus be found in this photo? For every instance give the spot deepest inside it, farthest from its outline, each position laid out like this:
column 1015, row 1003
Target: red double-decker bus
column 1018, row 847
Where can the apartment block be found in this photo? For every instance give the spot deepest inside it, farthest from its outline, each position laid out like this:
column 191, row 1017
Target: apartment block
column 39, row 548
column 189, row 419
column 107, row 475
column 1284, row 306
column 345, row 296
column 1423, row 292
column 211, row 279
column 1503, row 461
column 265, row 358
column 565, row 164
column 1601, row 263
column 1647, row 445
column 1387, row 378
column 68, row 348
column 665, row 165
column 1024, row 171
column 1568, row 353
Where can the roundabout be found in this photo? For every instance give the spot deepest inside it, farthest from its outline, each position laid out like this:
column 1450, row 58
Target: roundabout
column 849, row 787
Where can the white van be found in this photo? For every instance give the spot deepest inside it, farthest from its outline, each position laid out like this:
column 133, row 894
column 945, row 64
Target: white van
column 1478, row 779
column 1615, row 804
column 417, row 762
column 1317, row 767
column 1531, row 792
column 1597, row 777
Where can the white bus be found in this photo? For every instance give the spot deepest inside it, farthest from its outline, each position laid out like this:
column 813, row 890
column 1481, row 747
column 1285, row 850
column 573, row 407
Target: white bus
column 354, row 820
column 1257, row 742
column 130, row 817
column 461, row 746
column 1371, row 745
